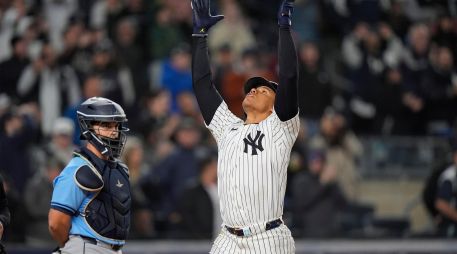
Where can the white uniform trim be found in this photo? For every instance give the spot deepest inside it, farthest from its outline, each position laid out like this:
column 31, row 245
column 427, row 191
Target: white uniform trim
column 449, row 174
column 101, row 116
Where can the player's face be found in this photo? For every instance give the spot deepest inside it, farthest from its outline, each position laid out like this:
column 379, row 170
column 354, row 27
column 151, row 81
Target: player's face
column 107, row 129
column 260, row 99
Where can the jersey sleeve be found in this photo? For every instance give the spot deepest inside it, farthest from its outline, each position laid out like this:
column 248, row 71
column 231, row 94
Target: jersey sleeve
column 286, row 132
column 67, row 197
column 222, row 120
column 446, row 184
column 286, row 103
column 445, row 190
column 208, row 98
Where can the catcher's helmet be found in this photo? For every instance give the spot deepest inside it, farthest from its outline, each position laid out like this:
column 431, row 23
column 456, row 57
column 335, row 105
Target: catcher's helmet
column 97, row 110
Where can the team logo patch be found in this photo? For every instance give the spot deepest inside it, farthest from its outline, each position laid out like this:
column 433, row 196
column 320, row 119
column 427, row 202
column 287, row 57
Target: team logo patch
column 119, row 184
column 255, row 143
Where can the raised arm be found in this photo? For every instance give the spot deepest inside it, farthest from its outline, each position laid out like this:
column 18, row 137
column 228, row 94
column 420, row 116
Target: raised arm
column 286, row 103
column 207, row 96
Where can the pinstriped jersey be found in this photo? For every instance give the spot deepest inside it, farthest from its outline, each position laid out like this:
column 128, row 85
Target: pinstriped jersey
column 252, row 166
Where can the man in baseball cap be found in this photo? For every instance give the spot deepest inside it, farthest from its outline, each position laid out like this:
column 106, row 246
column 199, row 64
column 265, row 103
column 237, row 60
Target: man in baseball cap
column 253, row 152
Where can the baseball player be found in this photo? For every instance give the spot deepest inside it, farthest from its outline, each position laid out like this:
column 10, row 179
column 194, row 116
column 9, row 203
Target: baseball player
column 253, row 154
column 90, row 205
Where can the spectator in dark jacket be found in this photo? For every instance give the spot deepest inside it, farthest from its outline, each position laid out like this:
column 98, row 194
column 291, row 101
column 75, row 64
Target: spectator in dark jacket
column 175, row 172
column 199, row 205
column 317, row 199
column 446, row 33
column 37, row 197
column 11, row 69
column 439, row 86
column 315, row 90
column 17, row 130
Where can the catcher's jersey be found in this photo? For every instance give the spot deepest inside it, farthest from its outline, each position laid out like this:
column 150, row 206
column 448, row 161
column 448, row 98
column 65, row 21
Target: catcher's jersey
column 252, row 166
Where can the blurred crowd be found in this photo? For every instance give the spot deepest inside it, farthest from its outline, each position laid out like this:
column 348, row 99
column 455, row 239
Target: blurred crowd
column 367, row 67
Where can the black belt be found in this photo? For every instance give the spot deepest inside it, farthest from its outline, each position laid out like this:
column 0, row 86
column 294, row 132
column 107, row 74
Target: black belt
column 94, row 241
column 243, row 232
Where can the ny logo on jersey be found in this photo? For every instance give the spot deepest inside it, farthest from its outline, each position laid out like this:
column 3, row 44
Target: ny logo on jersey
column 255, row 143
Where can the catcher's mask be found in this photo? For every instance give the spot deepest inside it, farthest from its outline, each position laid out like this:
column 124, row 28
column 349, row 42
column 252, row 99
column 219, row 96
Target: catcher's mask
column 98, row 110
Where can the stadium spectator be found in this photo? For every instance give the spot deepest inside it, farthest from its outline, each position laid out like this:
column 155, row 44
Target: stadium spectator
column 165, row 34
column 445, row 33
column 60, row 143
column 234, row 26
column 175, row 74
column 71, row 40
column 130, row 53
column 307, row 24
column 223, row 63
column 11, row 68
column 367, row 54
column 395, row 16
column 315, row 90
column 156, row 124
column 414, row 65
column 342, row 150
column 14, row 18
column 440, row 88
column 175, row 171
column 37, row 197
column 188, row 107
column 105, row 14
column 393, row 116
column 117, row 82
column 199, row 204
column 142, row 217
column 318, row 201
column 58, row 14
column 52, row 86
column 18, row 129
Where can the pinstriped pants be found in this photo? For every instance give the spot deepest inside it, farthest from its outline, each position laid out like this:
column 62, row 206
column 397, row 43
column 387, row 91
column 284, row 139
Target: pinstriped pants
column 276, row 241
